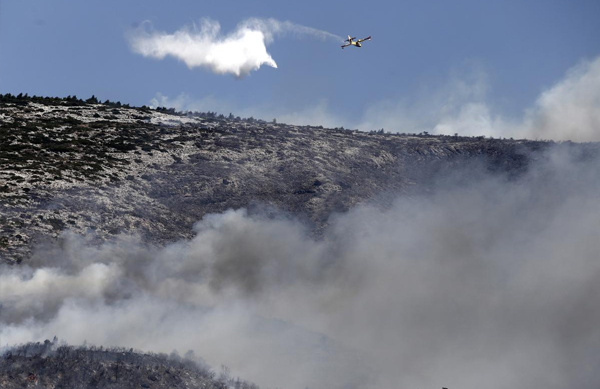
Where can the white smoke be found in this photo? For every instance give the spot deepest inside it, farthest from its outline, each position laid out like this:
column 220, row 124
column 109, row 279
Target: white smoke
column 570, row 110
column 237, row 53
column 487, row 284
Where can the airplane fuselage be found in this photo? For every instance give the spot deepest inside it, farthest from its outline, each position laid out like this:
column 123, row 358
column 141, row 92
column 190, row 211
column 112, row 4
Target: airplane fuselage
column 357, row 44
column 352, row 42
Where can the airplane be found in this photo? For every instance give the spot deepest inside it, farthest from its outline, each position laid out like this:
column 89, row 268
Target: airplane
column 352, row 42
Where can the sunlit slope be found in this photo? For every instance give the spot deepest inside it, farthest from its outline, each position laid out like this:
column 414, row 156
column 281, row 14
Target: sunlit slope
column 108, row 168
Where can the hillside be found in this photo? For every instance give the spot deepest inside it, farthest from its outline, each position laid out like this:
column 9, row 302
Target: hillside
column 51, row 365
column 300, row 257
column 107, row 168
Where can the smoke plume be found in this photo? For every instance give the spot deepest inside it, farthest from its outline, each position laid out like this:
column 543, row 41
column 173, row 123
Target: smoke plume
column 237, row 53
column 570, row 110
column 491, row 283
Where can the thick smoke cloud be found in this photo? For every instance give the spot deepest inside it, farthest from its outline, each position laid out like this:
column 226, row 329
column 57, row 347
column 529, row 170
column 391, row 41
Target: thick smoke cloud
column 487, row 283
column 568, row 110
column 237, row 53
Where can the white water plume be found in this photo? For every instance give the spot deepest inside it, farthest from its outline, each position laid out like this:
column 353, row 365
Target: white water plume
column 237, row 53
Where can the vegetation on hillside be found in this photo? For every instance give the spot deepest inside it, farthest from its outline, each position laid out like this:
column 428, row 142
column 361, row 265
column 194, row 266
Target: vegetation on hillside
column 53, row 365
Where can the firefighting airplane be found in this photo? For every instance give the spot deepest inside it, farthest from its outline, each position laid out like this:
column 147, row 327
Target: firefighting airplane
column 352, row 42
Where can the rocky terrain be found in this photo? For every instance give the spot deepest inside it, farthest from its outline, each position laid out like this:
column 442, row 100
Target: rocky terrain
column 105, row 169
column 50, row 365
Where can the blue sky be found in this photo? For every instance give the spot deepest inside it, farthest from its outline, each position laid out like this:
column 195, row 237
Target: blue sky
column 429, row 64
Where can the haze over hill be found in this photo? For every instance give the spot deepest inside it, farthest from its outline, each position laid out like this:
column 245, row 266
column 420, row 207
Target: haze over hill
column 109, row 169
column 301, row 256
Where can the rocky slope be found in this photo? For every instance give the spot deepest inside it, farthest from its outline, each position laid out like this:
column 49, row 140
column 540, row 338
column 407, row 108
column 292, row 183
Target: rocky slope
column 106, row 168
column 50, row 365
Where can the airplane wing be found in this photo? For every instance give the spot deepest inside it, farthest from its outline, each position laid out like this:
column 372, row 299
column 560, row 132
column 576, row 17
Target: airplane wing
column 365, row 39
